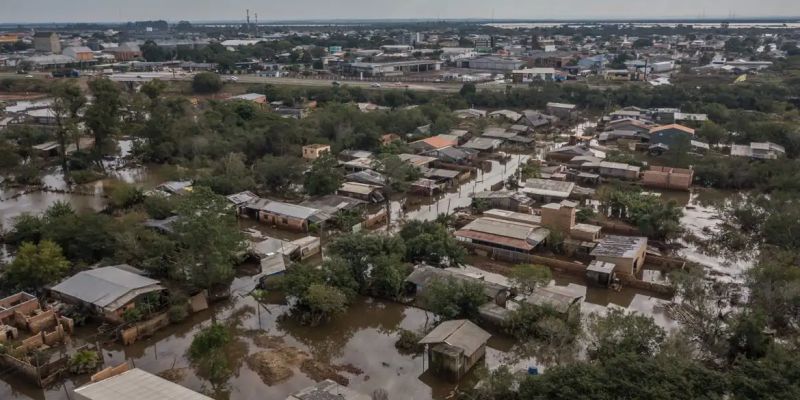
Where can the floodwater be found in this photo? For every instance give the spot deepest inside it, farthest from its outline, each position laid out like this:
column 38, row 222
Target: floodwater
column 363, row 337
column 86, row 197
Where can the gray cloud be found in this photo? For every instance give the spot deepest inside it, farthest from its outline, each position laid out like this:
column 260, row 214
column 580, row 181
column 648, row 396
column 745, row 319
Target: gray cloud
column 119, row 10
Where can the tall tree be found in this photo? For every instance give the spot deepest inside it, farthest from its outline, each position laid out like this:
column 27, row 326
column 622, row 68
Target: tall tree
column 324, row 177
column 36, row 265
column 208, row 238
column 103, row 115
column 68, row 99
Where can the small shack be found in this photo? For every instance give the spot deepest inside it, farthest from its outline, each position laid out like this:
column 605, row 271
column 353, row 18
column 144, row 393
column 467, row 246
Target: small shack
column 454, row 347
column 600, row 273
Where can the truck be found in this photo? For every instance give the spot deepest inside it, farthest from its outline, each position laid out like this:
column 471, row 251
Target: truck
column 66, row 73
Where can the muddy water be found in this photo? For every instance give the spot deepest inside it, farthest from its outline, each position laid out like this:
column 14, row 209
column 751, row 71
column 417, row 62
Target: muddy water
column 428, row 208
column 363, row 337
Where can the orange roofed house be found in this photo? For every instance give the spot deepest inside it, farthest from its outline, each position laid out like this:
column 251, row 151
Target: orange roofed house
column 437, row 142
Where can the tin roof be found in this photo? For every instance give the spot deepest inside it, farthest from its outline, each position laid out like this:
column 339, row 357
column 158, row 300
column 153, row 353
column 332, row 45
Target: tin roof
column 461, row 334
column 137, row 384
column 107, row 287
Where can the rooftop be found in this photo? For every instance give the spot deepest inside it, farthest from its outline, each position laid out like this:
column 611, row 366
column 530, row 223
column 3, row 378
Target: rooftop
column 136, row 384
column 672, row 126
column 546, row 187
column 619, row 246
column 107, row 287
column 289, row 210
column 461, row 334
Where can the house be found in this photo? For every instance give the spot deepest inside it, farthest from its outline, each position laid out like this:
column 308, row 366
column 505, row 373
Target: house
column 618, row 170
column 47, row 42
column 79, row 53
column 504, row 199
column 446, row 177
column 503, row 234
column 528, row 75
column 559, row 216
column 565, row 304
column 359, row 164
column 240, row 200
column 124, row 383
column 671, row 135
column 369, row 107
column 367, row 176
column 23, row 319
column 459, row 134
column 454, row 347
column 327, row 390
column 629, row 124
column 107, row 291
column 314, row 151
column 668, row 178
column 562, row 110
column 483, row 144
column 511, row 116
column 513, row 216
column 433, row 143
column 256, row 98
column 520, row 129
column 627, row 253
column 619, row 134
column 417, row 161
column 287, row 216
column 498, row 133
column 547, row 191
column 758, row 151
column 453, row 155
column 536, row 119
column 362, row 191
column 617, row 75
column 567, row 153
column 330, row 205
column 423, row 275
column 600, row 273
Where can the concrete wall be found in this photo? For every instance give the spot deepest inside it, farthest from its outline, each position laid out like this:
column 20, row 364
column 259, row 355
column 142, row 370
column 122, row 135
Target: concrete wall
column 277, row 220
column 144, row 328
column 562, row 219
column 668, row 178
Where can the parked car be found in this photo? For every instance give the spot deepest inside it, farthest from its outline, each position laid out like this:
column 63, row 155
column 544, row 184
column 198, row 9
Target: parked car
column 376, row 85
column 233, row 78
column 336, row 83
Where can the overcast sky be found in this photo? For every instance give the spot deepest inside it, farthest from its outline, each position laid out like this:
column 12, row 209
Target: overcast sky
column 197, row 10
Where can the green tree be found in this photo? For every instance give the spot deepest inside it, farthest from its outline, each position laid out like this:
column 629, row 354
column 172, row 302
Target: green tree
column 68, row 99
column 102, row 117
column 36, row 266
column 431, row 243
column 208, row 352
column 209, row 240
column 206, row 82
column 712, row 132
column 323, row 302
column 528, row 277
column 324, row 177
column 277, row 174
column 619, row 332
column 387, row 276
column 451, row 298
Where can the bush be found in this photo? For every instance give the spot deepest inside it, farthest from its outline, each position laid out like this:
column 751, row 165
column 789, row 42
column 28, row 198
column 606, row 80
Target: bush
column 178, row 312
column 123, row 195
column 206, row 82
column 158, row 207
column 132, row 315
column 85, row 176
column 408, row 342
column 84, row 361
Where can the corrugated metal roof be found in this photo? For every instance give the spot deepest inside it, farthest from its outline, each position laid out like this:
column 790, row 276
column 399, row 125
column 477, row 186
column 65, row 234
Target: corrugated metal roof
column 290, row 210
column 461, row 334
column 619, row 246
column 137, row 384
column 105, row 287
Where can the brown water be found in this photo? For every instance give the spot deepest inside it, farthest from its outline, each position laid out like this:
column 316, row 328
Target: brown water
column 364, row 336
